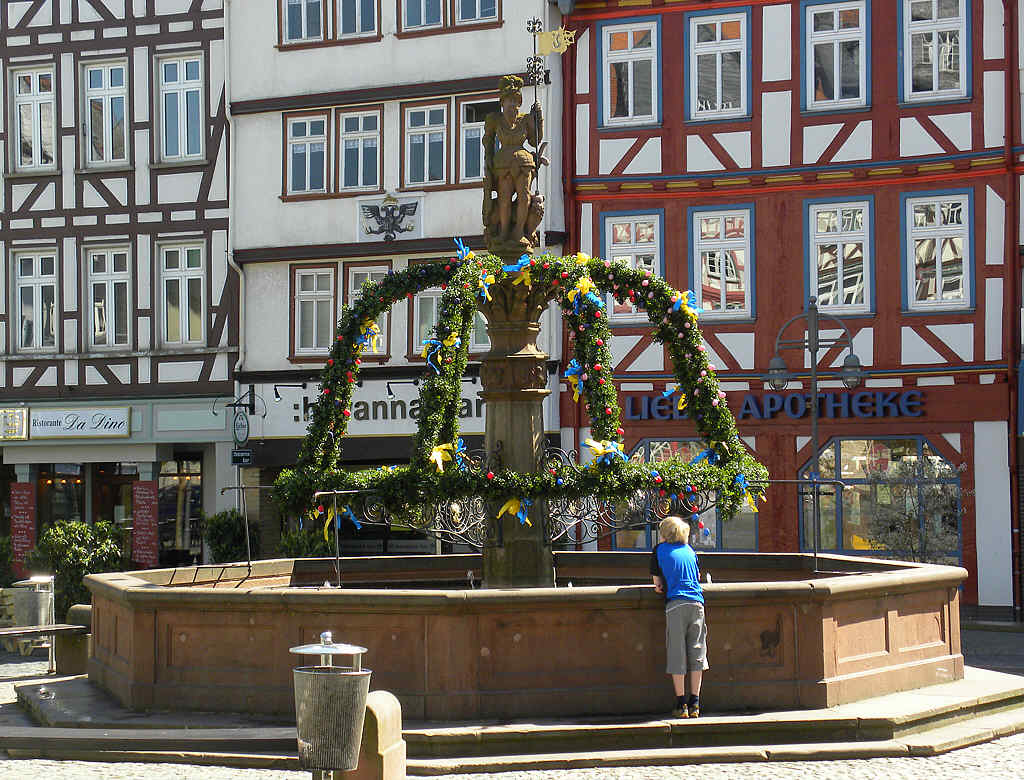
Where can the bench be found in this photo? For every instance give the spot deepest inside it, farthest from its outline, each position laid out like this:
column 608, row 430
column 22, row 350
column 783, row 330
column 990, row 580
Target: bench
column 36, row 632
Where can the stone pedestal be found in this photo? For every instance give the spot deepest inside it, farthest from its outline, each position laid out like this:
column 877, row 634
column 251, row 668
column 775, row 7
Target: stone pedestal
column 514, row 378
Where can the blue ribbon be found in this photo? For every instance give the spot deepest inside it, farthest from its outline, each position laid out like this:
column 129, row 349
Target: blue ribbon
column 460, row 450
column 594, row 300
column 690, row 299
column 347, row 514
column 463, row 250
column 520, row 265
column 573, row 372
column 430, row 349
column 524, row 504
column 709, row 455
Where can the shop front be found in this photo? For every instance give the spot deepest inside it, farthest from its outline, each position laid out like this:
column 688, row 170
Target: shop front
column 149, row 467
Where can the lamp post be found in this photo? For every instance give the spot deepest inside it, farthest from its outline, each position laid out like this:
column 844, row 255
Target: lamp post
column 779, row 376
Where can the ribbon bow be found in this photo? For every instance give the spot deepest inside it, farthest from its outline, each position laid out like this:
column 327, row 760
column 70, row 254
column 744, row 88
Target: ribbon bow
column 573, row 372
column 582, row 258
column 464, row 252
column 741, row 481
column 346, row 513
column 686, row 301
column 605, row 451
column 710, row 454
column 484, row 284
column 517, row 507
column 520, row 267
column 583, row 290
column 440, row 454
column 369, row 335
column 681, row 403
column 460, row 451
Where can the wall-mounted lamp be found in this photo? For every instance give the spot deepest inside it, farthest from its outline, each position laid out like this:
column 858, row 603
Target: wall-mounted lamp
column 277, row 395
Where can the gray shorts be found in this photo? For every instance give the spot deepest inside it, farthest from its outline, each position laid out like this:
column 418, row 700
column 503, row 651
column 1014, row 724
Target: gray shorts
column 686, row 637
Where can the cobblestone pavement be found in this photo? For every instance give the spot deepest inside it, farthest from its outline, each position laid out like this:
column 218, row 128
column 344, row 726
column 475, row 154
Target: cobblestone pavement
column 1002, row 651
column 14, row 669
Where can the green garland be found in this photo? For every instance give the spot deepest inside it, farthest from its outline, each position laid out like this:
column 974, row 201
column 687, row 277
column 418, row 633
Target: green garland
column 725, row 467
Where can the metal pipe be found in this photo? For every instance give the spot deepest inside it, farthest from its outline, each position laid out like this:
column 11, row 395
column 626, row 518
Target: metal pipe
column 812, row 346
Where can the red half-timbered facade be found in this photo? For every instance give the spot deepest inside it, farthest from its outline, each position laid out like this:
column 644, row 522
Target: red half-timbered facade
column 118, row 301
column 860, row 152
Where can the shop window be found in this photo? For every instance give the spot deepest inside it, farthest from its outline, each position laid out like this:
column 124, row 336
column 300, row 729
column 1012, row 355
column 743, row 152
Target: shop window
column 936, row 49
column 307, row 154
column 937, row 235
column 426, row 145
column 109, row 288
column 471, row 134
column 629, row 73
column 360, row 159
column 180, row 500
column 357, row 278
column 722, row 261
column 840, row 255
column 183, row 120
column 719, row 59
column 35, row 134
column 315, row 309
column 902, row 499
column 106, row 95
column 634, row 239
column 36, row 301
column 61, row 495
column 836, row 55
column 184, row 299
column 736, row 533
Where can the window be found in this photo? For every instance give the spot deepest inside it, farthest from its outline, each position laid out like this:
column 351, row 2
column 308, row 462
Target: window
column 630, row 73
column 471, row 133
column 901, row 497
column 35, row 130
column 307, row 154
column 105, row 101
column 357, row 277
column 108, row 296
column 303, row 20
column 476, row 10
column 420, row 14
column 36, row 301
column 938, row 245
column 357, row 18
column 718, row 66
column 836, row 55
column 722, row 261
column 736, row 533
column 426, row 320
column 636, row 241
column 184, row 296
column 181, row 101
column 840, row 256
column 934, row 31
column 425, row 145
column 315, row 318
column 360, row 151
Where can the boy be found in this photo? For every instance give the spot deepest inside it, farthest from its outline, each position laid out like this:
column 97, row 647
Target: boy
column 675, row 574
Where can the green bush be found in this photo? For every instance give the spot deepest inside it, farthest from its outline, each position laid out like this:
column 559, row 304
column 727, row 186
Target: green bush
column 305, row 542
column 6, row 562
column 225, row 537
column 69, row 551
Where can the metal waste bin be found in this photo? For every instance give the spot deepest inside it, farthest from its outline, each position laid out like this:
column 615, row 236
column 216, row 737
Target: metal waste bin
column 330, row 703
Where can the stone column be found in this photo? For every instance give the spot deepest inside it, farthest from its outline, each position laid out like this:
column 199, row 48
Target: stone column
column 514, row 379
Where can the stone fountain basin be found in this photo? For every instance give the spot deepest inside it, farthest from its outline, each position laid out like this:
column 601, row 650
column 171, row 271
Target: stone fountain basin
column 781, row 636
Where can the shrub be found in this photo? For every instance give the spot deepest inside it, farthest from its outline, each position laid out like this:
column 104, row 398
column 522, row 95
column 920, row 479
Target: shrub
column 70, row 550
column 225, row 536
column 305, row 542
column 6, row 562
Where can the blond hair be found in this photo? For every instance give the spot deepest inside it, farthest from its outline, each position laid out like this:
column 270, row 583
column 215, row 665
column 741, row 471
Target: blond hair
column 674, row 530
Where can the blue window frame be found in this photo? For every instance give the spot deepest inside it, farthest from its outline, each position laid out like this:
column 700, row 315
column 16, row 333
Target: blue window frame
column 629, row 72
column 937, row 250
column 839, row 252
column 722, row 260
column 835, row 73
column 718, row 69
column 902, row 499
column 737, row 533
column 935, row 50
column 637, row 239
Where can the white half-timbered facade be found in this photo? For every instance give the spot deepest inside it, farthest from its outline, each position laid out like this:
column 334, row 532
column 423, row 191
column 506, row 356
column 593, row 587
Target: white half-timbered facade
column 116, row 292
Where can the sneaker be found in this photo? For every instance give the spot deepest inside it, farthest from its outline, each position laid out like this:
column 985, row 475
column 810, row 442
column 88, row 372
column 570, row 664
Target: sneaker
column 680, row 712
column 693, row 710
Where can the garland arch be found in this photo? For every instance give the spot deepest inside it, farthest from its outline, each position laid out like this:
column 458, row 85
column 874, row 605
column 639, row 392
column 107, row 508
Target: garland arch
column 440, row 470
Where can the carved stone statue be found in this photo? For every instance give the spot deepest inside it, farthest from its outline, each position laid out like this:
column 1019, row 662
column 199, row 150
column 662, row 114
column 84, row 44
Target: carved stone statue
column 512, row 217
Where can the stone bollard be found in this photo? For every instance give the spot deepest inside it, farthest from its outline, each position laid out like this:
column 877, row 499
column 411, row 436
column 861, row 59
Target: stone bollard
column 382, row 754
column 71, row 651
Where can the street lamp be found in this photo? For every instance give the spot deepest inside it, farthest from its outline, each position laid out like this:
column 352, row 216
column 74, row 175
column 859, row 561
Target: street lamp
column 779, row 376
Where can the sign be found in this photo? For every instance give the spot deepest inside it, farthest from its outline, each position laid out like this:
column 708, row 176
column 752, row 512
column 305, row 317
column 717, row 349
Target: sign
column 23, row 524
column 866, row 404
column 145, row 528
column 240, row 428
column 14, row 424
column 241, row 457
column 113, row 422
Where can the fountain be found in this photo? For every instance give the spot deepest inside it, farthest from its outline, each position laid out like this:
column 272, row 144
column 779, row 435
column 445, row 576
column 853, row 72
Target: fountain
column 782, row 633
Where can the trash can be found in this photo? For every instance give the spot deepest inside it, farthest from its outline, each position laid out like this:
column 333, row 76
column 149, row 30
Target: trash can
column 330, row 703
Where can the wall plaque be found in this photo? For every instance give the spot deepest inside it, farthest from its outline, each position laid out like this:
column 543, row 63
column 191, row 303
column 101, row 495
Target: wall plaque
column 111, row 422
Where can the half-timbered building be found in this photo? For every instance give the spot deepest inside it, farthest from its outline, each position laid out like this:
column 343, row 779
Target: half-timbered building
column 341, row 113
column 118, row 326
column 860, row 152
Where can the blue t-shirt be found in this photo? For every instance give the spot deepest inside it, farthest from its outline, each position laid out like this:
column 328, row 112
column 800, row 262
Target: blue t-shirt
column 677, row 565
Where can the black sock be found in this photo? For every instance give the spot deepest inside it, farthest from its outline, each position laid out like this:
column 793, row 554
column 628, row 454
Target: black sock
column 693, row 701
column 681, row 701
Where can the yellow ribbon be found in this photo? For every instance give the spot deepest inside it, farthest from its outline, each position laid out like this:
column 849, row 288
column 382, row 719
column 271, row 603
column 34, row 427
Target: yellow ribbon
column 523, row 277
column 750, row 500
column 582, row 258
column 371, row 331
column 452, row 340
column 440, row 454
column 575, row 382
column 583, row 286
column 513, row 507
column 327, row 524
column 485, row 280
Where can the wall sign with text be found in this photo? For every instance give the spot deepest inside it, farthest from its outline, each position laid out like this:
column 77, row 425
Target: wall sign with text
column 82, row 423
